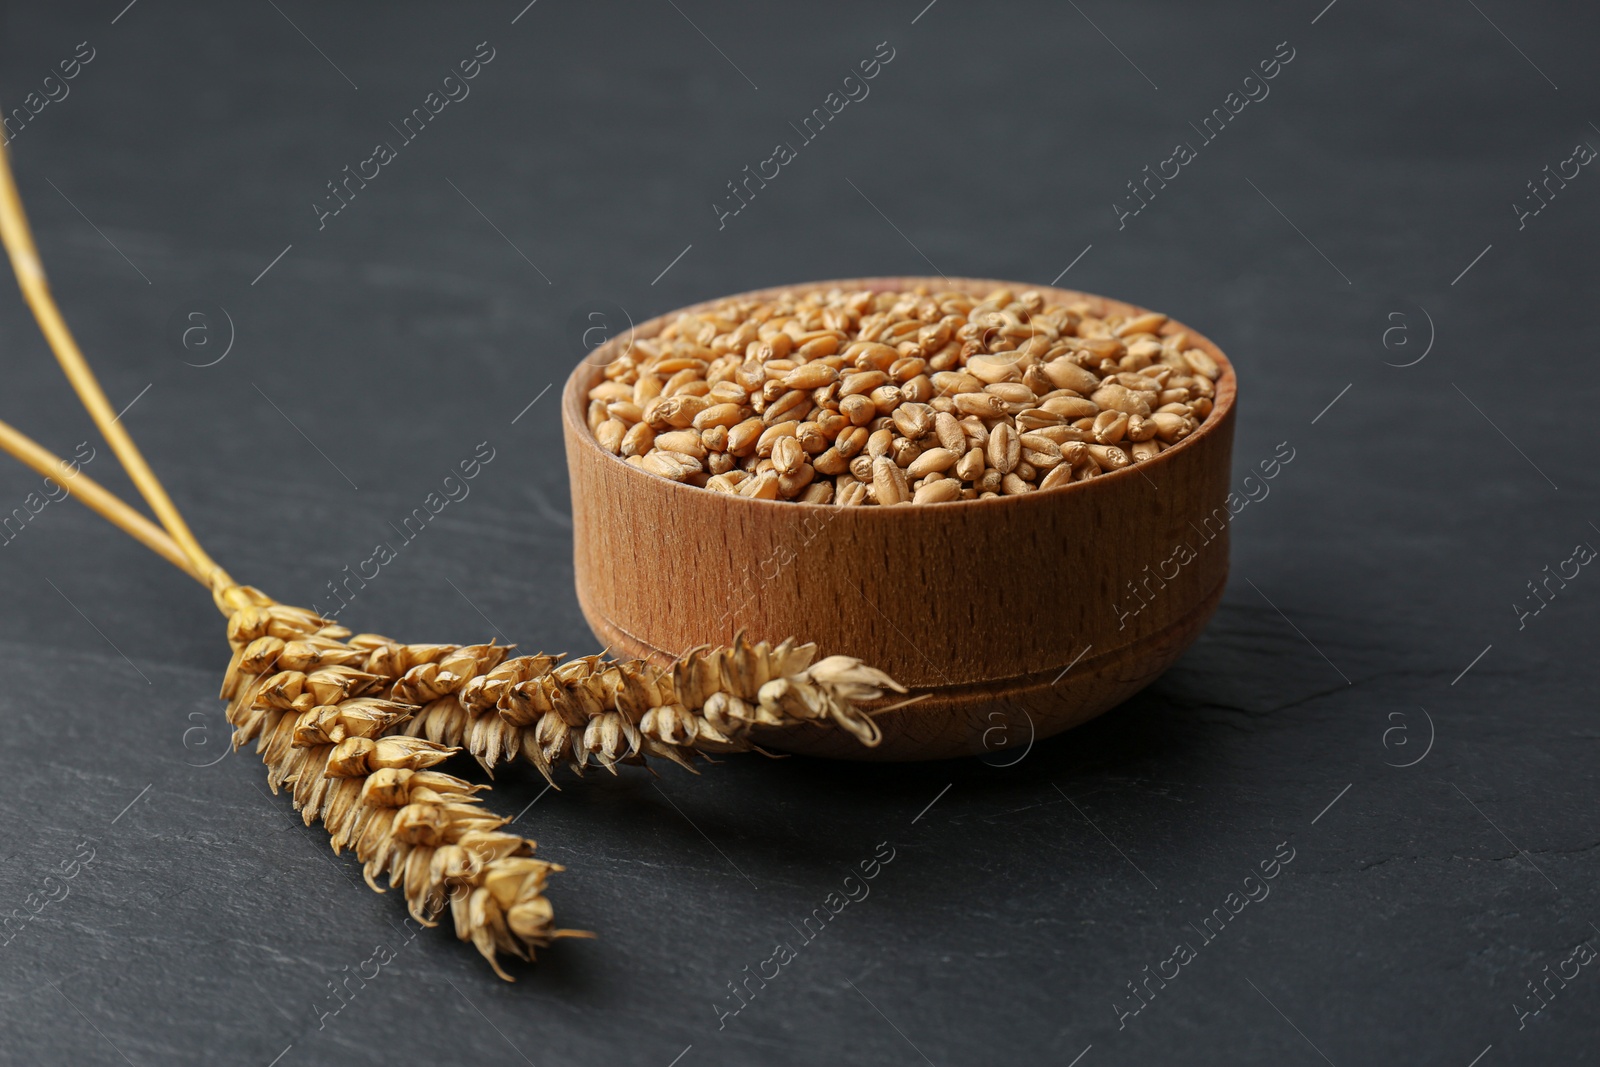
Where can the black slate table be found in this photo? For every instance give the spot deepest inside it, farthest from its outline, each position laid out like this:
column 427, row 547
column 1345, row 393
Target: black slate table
column 1392, row 713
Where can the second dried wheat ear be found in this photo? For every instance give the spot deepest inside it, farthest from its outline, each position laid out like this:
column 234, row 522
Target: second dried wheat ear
column 595, row 710
column 624, row 711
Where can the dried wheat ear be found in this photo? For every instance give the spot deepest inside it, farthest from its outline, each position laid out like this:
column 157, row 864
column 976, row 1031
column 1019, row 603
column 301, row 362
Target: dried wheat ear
column 352, row 724
column 336, row 717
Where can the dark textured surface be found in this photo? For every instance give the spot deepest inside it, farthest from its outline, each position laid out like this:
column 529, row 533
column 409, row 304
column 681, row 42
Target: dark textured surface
column 209, row 923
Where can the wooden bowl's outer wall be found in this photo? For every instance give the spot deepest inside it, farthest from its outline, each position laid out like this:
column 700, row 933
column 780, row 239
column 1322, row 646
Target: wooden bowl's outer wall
column 984, row 603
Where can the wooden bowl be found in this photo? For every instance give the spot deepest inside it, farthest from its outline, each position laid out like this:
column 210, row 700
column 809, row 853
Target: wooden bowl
column 1022, row 616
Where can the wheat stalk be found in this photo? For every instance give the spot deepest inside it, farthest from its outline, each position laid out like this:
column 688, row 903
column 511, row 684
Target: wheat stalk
column 351, row 724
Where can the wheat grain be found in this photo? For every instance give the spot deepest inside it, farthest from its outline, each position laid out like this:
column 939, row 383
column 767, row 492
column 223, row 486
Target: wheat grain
column 916, row 376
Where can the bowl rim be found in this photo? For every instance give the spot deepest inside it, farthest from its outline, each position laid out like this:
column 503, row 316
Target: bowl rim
column 573, row 408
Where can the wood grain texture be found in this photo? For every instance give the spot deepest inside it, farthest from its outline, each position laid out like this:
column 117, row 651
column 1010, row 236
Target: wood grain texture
column 1031, row 613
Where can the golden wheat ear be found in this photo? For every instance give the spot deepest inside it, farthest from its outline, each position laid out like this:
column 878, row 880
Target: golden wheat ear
column 612, row 712
column 351, row 725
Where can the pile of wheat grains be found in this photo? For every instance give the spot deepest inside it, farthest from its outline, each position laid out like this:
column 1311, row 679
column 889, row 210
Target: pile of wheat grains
column 870, row 397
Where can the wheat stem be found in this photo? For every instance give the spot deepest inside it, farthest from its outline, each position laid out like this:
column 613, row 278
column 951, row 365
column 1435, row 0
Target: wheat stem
column 24, row 255
column 97, row 498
